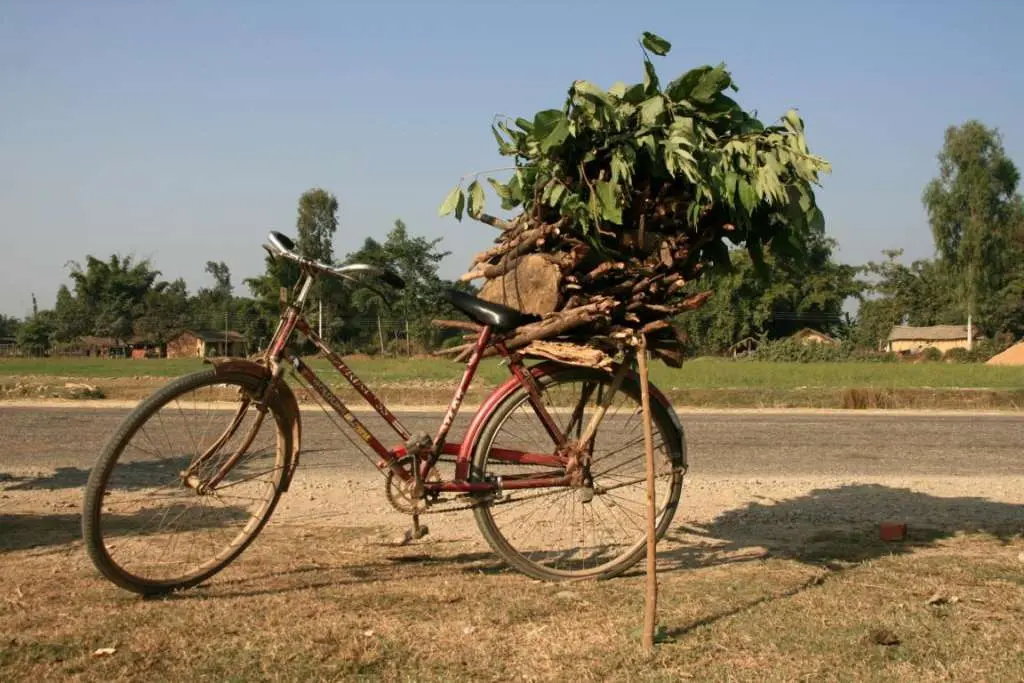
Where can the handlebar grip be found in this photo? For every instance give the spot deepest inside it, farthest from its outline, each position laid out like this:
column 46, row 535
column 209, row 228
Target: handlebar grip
column 392, row 279
column 283, row 240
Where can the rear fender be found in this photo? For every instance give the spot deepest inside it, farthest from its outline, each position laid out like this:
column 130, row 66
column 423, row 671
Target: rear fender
column 283, row 400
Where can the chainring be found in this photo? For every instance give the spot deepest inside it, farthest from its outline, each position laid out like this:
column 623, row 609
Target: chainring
column 400, row 493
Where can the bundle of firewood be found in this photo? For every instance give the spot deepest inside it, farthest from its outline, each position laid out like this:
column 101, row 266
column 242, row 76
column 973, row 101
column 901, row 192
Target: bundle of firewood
column 626, row 197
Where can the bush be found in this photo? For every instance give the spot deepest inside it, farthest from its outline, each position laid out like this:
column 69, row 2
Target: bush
column 931, row 354
column 792, row 351
column 958, row 355
column 986, row 348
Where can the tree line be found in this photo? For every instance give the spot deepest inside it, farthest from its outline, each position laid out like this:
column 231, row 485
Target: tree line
column 126, row 300
column 974, row 208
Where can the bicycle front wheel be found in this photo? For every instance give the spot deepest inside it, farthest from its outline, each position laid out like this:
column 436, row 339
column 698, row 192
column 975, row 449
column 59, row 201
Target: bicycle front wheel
column 597, row 531
column 186, row 483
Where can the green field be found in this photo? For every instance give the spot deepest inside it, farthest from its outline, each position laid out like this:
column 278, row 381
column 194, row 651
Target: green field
column 701, row 373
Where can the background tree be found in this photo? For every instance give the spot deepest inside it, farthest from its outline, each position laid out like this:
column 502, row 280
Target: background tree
column 35, row 334
column 773, row 302
column 316, row 224
column 107, row 295
column 222, row 278
column 8, row 325
column 71, row 316
column 166, row 312
column 974, row 209
column 416, row 260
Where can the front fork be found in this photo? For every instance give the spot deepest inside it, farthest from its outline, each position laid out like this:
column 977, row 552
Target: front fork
column 190, row 475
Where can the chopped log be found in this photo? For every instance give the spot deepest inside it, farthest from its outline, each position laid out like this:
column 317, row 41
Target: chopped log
column 561, row 322
column 532, row 287
column 494, row 222
column 572, row 354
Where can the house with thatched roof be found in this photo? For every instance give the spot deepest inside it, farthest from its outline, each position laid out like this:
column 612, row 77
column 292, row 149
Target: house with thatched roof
column 809, row 335
column 910, row 339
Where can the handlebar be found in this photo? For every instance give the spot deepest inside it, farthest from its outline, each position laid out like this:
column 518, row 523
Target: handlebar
column 283, row 246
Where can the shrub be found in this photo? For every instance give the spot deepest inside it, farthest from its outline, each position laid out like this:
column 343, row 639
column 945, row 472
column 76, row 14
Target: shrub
column 958, row 355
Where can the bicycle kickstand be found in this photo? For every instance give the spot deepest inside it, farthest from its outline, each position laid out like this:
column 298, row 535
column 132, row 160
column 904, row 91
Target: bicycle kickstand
column 416, row 532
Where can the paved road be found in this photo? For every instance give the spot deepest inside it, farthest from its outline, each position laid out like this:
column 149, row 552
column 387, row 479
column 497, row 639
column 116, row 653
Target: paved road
column 719, row 444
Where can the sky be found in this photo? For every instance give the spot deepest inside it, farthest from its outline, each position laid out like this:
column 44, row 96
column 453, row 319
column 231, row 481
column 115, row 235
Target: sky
column 182, row 132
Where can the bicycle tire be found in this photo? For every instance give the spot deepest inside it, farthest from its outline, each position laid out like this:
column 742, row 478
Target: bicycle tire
column 664, row 423
column 99, row 479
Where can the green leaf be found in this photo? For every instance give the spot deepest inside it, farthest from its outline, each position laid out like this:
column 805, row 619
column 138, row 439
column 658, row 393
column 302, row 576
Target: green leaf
column 618, row 89
column 476, row 198
column 500, row 188
column 515, row 193
column 656, row 44
column 793, row 121
column 710, row 84
column 680, row 88
column 545, row 121
column 557, row 192
column 816, row 220
column 556, row 137
column 525, row 125
column 748, row 195
column 592, row 93
column 806, row 201
column 610, row 210
column 651, row 109
column 635, row 94
column 682, row 128
column 460, row 205
column 451, row 201
column 647, row 140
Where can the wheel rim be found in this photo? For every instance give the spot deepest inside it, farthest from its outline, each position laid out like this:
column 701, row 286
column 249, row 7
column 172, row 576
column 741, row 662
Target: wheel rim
column 571, row 532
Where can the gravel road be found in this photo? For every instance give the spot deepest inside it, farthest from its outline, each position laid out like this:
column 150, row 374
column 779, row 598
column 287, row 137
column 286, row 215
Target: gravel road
column 758, row 481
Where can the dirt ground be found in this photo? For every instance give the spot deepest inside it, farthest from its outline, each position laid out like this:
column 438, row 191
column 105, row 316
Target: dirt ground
column 773, row 568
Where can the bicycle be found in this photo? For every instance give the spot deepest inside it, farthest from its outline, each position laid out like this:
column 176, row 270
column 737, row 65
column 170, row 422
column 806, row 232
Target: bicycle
column 537, row 507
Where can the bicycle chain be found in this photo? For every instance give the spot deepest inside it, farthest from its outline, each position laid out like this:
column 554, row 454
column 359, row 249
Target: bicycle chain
column 501, row 501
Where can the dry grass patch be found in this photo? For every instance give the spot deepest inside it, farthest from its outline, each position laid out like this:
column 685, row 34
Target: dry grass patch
column 318, row 603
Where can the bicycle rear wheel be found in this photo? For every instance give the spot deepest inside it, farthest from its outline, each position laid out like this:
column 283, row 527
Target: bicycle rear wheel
column 563, row 533
column 152, row 522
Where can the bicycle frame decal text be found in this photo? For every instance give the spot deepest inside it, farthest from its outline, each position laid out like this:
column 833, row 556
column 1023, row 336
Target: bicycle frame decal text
column 339, row 407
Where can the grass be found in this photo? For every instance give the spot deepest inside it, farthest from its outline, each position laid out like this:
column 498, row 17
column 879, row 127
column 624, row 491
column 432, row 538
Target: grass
column 700, row 373
column 331, row 605
column 708, row 382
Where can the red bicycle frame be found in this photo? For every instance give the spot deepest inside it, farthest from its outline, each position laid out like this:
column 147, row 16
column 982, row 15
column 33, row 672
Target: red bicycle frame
column 521, row 376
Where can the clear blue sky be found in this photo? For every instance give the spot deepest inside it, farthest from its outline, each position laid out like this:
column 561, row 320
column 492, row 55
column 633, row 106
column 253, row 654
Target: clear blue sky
column 183, row 131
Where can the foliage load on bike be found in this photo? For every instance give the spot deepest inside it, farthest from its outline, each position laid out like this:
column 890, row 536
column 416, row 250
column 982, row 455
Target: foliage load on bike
column 626, row 195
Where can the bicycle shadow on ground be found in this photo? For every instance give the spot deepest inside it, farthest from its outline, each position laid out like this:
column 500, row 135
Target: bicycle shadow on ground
column 25, row 531
column 833, row 528
column 131, row 475
column 837, row 526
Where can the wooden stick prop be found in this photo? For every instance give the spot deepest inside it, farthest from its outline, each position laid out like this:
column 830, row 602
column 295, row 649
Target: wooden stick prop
column 651, row 593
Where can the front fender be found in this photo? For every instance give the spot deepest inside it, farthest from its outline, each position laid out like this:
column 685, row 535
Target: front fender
column 283, row 400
